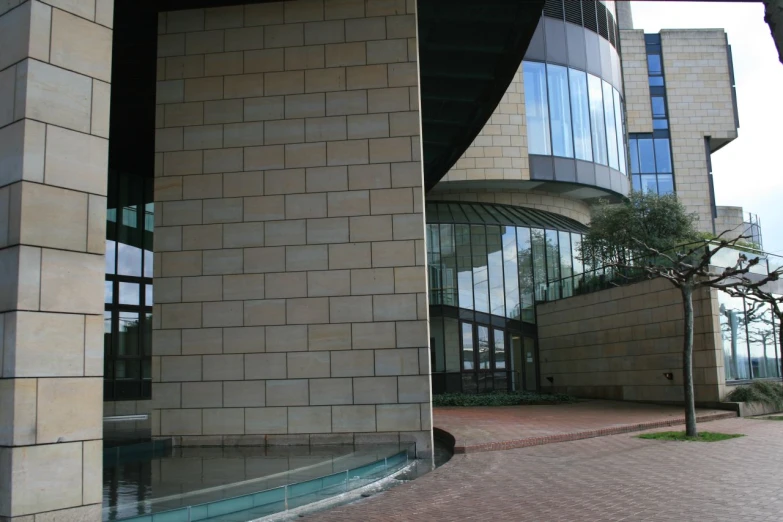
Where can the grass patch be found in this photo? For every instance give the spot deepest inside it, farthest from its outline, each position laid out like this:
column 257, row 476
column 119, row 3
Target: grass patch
column 704, row 436
column 771, row 417
column 500, row 399
column 765, row 392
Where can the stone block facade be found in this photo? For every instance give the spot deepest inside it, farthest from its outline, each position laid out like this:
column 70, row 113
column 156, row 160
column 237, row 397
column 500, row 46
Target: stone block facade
column 290, row 281
column 55, row 73
column 637, row 88
column 620, row 344
column 499, row 152
column 700, row 103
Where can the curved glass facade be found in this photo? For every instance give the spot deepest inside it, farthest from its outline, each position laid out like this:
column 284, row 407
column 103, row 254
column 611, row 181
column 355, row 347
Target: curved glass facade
column 573, row 114
column 487, row 265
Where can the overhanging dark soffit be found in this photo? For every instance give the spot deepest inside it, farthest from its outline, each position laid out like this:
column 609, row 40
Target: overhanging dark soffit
column 469, row 52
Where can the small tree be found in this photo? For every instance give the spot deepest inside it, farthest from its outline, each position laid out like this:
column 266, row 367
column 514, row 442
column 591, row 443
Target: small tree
column 655, row 236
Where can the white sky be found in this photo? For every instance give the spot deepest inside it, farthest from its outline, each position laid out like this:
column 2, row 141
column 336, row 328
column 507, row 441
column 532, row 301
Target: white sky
column 748, row 171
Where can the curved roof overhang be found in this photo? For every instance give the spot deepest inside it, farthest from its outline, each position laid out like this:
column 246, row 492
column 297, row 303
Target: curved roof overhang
column 475, row 213
column 588, row 193
column 468, row 55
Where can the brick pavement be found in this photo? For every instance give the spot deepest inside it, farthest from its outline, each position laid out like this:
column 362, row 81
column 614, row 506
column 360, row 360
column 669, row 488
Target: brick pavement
column 613, row 478
column 499, row 428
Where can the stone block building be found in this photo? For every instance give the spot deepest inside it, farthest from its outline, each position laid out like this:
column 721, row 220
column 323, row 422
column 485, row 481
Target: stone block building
column 236, row 222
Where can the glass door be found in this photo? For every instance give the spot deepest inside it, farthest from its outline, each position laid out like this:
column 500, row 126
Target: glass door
column 484, row 358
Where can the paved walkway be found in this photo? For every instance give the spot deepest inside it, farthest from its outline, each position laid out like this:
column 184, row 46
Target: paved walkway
column 609, row 478
column 498, row 428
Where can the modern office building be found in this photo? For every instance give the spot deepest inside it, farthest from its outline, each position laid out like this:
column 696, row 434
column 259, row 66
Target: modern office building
column 260, row 223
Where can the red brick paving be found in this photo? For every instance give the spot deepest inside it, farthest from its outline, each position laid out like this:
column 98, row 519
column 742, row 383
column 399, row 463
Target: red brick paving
column 613, row 478
column 500, row 428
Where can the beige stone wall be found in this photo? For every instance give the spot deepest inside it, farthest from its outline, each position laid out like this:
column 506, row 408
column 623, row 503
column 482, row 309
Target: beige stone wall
column 573, row 208
column 619, row 343
column 698, row 90
column 290, row 273
column 55, row 69
column 499, row 152
column 731, row 221
column 635, row 80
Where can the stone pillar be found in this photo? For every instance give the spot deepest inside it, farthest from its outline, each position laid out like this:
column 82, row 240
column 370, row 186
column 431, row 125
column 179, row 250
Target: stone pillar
column 55, row 69
column 290, row 281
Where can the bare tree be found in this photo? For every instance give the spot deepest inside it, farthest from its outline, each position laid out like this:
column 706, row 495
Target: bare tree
column 653, row 236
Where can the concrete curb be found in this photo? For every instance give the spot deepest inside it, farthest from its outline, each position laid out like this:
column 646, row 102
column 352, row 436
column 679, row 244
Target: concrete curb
column 462, row 448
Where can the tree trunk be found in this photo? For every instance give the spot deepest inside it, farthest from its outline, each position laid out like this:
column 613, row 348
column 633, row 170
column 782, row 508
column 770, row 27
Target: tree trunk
column 687, row 362
column 780, row 344
column 774, row 17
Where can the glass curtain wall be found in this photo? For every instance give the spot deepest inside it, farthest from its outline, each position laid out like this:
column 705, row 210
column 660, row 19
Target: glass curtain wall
column 488, row 264
column 501, row 270
column 749, row 332
column 573, row 114
column 651, row 164
column 128, row 288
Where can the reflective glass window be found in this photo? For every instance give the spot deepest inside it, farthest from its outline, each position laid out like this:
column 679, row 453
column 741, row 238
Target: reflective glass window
column 646, row 156
column 464, row 266
column 660, row 124
column 500, row 349
column 129, row 294
column 525, row 269
column 437, row 344
column 611, row 129
column 637, row 182
column 111, row 257
column 663, row 159
column 478, row 241
column 484, row 347
column 649, row 183
column 632, row 147
column 107, row 330
column 448, row 258
column 654, row 64
column 108, row 292
column 510, row 272
column 539, row 263
column 497, row 299
column 665, row 184
column 761, row 341
column 656, row 81
column 560, row 111
column 147, row 341
column 536, row 108
column 597, row 122
column 434, row 264
column 658, row 107
column 129, row 260
column 566, row 264
column 553, row 264
column 148, row 300
column 467, row 346
column 580, row 108
column 618, row 117
column 451, row 341
column 735, row 347
column 128, row 333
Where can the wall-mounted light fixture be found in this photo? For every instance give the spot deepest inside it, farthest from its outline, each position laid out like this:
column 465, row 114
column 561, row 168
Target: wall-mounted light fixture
column 551, row 380
column 669, row 376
